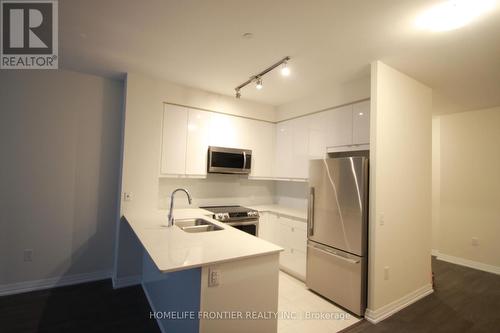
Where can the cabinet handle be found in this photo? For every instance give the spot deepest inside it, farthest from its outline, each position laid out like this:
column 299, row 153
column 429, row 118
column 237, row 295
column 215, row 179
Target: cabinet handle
column 310, row 212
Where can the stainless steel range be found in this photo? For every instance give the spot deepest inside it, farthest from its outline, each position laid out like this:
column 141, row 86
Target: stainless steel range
column 240, row 217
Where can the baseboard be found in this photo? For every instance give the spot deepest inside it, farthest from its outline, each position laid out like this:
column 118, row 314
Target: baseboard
column 127, row 281
column 469, row 263
column 435, row 252
column 375, row 316
column 151, row 304
column 27, row 286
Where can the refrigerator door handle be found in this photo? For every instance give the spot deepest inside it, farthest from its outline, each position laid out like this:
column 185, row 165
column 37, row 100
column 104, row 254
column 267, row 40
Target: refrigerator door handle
column 336, row 255
column 310, row 212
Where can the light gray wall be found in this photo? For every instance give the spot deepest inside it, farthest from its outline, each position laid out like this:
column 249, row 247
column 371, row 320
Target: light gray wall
column 60, row 135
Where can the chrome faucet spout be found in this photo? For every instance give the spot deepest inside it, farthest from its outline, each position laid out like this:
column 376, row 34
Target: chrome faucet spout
column 170, row 212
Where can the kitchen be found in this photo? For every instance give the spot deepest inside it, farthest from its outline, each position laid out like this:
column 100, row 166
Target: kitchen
column 251, row 176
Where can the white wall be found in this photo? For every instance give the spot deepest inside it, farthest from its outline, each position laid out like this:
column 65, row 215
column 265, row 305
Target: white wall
column 60, row 148
column 400, row 190
column 326, row 97
column 470, row 186
column 143, row 118
column 436, row 182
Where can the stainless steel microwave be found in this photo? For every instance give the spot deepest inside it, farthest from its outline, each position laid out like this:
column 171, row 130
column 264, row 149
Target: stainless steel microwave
column 229, row 160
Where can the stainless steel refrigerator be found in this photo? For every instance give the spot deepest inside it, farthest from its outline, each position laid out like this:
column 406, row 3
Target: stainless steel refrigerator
column 337, row 231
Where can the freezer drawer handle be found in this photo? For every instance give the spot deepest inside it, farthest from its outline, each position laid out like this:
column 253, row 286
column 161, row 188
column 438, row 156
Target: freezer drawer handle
column 336, row 255
column 310, row 212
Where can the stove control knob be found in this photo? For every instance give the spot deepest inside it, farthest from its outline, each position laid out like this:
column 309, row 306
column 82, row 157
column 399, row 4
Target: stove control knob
column 221, row 216
column 253, row 214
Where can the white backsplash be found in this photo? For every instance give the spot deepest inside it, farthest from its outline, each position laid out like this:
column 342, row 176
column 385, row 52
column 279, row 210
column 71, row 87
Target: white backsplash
column 291, row 194
column 217, row 190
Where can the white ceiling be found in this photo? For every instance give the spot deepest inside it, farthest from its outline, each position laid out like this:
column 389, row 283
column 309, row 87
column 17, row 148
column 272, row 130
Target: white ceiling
column 199, row 44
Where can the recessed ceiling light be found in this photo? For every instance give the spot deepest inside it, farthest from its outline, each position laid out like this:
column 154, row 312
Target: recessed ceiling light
column 453, row 14
column 247, row 35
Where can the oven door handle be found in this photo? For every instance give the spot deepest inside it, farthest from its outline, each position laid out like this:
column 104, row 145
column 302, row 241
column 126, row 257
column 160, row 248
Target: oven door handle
column 244, row 160
column 233, row 224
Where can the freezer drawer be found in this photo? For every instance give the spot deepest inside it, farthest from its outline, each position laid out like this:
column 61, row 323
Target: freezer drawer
column 338, row 276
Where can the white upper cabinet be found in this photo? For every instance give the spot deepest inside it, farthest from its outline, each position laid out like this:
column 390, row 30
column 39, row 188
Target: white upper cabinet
column 361, row 123
column 300, row 147
column 318, row 134
column 198, row 130
column 280, row 151
column 283, row 154
column 340, row 126
column 262, row 143
column 174, row 136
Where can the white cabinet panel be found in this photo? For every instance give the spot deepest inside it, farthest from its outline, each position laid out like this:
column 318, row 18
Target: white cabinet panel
column 283, row 154
column 300, row 147
column 292, row 149
column 227, row 131
column 361, row 123
column 198, row 130
column 318, row 135
column 293, row 238
column 262, row 143
column 340, row 126
column 174, row 137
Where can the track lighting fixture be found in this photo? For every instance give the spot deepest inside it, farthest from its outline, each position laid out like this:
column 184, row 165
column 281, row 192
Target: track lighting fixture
column 285, row 71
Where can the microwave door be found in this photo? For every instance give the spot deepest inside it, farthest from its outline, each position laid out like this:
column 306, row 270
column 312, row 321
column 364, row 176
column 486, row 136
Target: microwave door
column 337, row 203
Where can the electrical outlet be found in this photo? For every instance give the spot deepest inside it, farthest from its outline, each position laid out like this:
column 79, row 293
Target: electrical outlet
column 475, row 241
column 127, row 196
column 386, row 273
column 213, row 277
column 381, row 219
column 28, row 255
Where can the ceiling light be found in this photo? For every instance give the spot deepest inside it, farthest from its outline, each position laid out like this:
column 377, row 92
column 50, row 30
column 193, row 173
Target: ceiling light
column 453, row 14
column 285, row 70
column 259, row 85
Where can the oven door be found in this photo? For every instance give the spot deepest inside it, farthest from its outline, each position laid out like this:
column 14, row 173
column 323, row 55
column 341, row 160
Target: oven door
column 229, row 160
column 250, row 227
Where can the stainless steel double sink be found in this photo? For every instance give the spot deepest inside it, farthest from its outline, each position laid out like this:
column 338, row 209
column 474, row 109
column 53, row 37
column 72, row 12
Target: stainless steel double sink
column 196, row 225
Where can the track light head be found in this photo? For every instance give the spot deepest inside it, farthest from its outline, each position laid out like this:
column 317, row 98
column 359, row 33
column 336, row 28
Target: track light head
column 285, row 70
column 238, row 94
column 259, row 85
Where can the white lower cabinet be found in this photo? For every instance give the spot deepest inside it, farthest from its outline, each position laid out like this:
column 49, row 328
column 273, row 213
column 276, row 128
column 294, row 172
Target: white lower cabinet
column 291, row 235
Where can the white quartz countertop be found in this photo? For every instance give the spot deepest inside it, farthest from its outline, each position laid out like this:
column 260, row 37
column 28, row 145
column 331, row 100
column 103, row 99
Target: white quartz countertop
column 173, row 249
column 279, row 209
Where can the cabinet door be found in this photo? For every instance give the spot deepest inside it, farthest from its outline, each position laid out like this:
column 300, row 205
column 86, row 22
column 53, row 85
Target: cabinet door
column 300, row 147
column 283, row 155
column 227, row 131
column 198, row 129
column 318, row 135
column 340, row 126
column 361, row 123
column 261, row 141
column 174, row 136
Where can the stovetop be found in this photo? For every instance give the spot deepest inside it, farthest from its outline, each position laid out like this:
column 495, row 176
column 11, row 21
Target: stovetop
column 232, row 213
column 227, row 209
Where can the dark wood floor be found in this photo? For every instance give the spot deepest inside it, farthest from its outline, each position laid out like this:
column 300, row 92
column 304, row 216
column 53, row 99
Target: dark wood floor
column 464, row 300
column 89, row 307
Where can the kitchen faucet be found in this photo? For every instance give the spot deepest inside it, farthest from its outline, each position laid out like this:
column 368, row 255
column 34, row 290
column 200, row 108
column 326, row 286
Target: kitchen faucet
column 170, row 213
